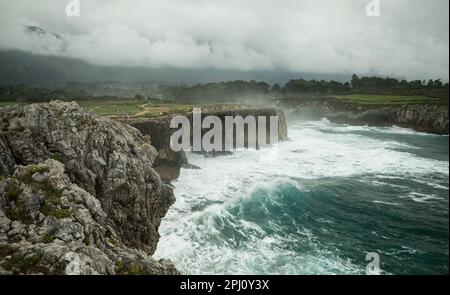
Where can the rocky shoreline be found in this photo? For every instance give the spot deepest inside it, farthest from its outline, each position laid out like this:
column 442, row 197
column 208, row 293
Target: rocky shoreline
column 81, row 194
column 430, row 118
column 168, row 163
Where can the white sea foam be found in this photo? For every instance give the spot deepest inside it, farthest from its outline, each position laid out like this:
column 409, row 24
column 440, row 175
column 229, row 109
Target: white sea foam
column 192, row 232
column 421, row 198
column 386, row 203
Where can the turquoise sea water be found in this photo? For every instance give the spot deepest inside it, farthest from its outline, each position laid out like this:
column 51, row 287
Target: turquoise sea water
column 316, row 204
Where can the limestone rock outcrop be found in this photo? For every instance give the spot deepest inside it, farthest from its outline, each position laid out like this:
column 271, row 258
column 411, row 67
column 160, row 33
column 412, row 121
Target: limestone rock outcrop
column 426, row 118
column 431, row 118
column 78, row 194
column 168, row 163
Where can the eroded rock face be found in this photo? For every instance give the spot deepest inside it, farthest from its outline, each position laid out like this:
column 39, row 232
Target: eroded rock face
column 77, row 194
column 421, row 117
column 429, row 118
column 253, row 112
column 168, row 163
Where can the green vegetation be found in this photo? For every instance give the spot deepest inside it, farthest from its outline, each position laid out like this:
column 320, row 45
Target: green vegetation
column 58, row 157
column 30, row 170
column 48, row 210
column 29, row 264
column 112, row 107
column 237, row 90
column 389, row 99
column 24, row 93
column 302, row 86
column 133, row 108
column 217, row 92
column 48, row 238
column 16, row 211
column 391, row 86
column 131, row 269
column 27, row 177
column 151, row 114
column 138, row 109
column 179, row 99
column 52, row 195
column 14, row 190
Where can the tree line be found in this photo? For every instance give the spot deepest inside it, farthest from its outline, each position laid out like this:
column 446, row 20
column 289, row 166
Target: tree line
column 240, row 89
column 220, row 92
column 235, row 90
column 378, row 85
column 31, row 94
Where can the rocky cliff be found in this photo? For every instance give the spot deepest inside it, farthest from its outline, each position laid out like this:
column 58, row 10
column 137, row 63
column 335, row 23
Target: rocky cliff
column 425, row 118
column 430, row 118
column 78, row 194
column 168, row 163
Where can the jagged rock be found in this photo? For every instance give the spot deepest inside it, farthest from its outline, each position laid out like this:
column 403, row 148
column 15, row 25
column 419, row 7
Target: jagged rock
column 426, row 118
column 168, row 163
column 78, row 194
column 421, row 117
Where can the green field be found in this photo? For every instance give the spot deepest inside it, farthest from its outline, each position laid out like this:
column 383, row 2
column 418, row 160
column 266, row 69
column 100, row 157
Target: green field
column 117, row 108
column 389, row 99
column 112, row 107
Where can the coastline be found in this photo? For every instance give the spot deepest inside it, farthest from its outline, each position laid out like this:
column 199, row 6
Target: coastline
column 146, row 140
column 430, row 118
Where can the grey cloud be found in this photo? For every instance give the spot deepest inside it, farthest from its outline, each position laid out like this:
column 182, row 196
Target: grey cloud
column 410, row 38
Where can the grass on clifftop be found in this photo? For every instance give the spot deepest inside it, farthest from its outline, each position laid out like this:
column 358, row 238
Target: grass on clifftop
column 133, row 108
column 389, row 99
column 117, row 108
column 111, row 107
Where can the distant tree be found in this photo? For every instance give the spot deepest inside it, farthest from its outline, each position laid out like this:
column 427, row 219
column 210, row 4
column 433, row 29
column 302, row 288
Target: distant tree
column 438, row 84
column 276, row 88
column 302, row 86
column 139, row 97
column 219, row 92
column 416, row 84
column 355, row 81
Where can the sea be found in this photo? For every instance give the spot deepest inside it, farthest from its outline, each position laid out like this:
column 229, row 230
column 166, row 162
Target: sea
column 317, row 203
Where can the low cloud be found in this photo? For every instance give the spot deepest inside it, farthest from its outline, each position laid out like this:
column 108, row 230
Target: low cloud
column 409, row 39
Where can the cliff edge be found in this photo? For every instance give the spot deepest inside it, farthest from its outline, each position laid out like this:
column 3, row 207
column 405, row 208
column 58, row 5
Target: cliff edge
column 168, row 162
column 78, row 194
column 430, row 118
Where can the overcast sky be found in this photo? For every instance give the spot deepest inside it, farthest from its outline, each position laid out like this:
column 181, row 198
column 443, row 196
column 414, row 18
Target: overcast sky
column 410, row 38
